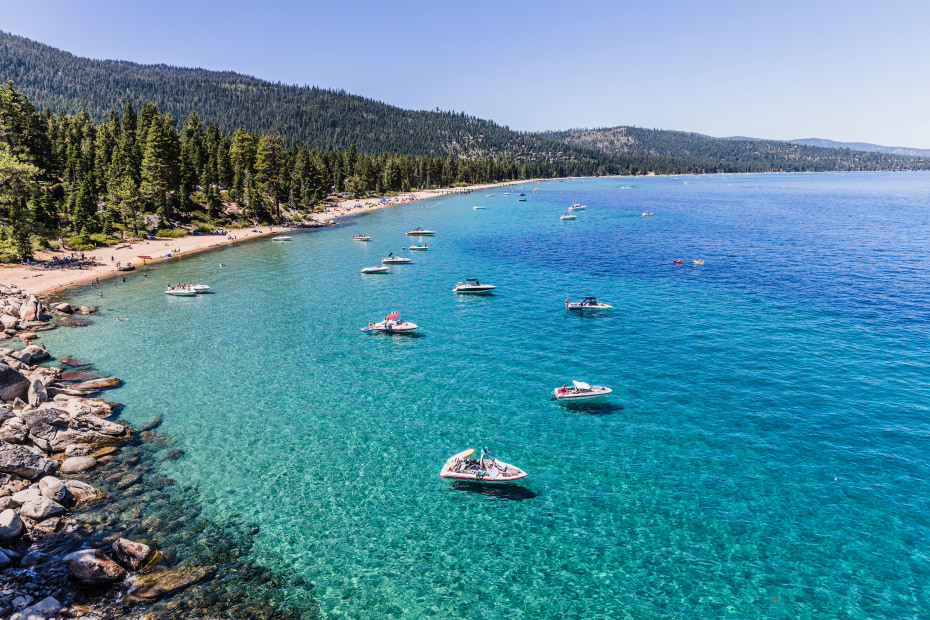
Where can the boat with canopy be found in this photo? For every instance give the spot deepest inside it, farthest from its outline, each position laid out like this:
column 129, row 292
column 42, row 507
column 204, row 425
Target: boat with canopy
column 579, row 390
column 463, row 466
column 392, row 324
column 588, row 303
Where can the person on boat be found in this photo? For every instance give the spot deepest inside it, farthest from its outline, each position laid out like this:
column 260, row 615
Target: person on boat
column 566, row 305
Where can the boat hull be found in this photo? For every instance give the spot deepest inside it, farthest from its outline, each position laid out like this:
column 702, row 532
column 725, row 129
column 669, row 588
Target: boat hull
column 375, row 270
column 421, row 233
column 580, row 307
column 460, row 467
column 395, row 261
column 567, row 395
column 474, row 290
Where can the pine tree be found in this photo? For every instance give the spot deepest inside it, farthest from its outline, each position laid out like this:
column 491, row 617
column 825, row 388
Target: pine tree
column 269, row 168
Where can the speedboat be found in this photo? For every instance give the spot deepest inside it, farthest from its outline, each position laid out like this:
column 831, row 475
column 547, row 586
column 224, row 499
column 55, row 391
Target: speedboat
column 568, row 216
column 506, row 193
column 180, row 291
column 482, row 469
column 489, row 196
column 521, row 199
column 394, row 260
column 576, row 207
column 647, row 213
column 421, row 231
column 375, row 269
column 198, row 288
column 476, row 207
column 580, row 391
column 281, row 238
column 392, row 324
column 361, row 238
column 588, row 303
column 521, row 194
column 418, row 246
column 472, row 285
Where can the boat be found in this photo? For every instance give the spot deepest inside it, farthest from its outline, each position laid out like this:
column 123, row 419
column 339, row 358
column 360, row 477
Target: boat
column 577, row 207
column 126, row 267
column 482, row 469
column 698, row 262
column 476, row 207
column 180, row 291
column 588, row 303
column 198, row 288
column 506, row 193
column 568, row 216
column 145, row 257
column 489, row 196
column 579, row 391
column 678, row 261
column 521, row 194
column 521, row 200
column 392, row 324
column 361, row 238
column 390, row 259
column 281, row 238
column 647, row 213
column 472, row 285
column 375, row 269
column 418, row 246
column 420, row 231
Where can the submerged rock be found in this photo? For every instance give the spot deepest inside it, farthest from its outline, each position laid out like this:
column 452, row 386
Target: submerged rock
column 46, row 609
column 81, row 491
column 93, row 566
column 155, row 585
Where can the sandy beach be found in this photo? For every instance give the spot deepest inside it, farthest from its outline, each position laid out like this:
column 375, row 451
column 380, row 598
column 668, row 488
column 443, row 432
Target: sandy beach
column 44, row 282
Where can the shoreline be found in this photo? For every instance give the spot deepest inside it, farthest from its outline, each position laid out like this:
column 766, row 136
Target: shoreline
column 47, row 283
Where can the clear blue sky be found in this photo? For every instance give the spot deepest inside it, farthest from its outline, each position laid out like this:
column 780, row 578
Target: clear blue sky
column 843, row 70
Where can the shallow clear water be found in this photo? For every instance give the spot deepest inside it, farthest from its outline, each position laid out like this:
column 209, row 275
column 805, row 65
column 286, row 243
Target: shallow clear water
column 763, row 453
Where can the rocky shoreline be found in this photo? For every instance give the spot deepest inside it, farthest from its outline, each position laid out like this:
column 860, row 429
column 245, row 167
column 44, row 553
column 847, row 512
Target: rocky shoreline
column 74, row 486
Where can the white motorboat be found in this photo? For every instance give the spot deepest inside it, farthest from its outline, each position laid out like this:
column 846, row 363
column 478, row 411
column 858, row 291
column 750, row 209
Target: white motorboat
column 588, row 303
column 419, row 246
column 180, row 291
column 568, row 216
column 375, row 269
column 198, row 288
column 281, row 238
column 576, row 207
column 647, row 213
column 476, row 207
column 506, row 193
column 489, row 196
column 421, row 231
column 482, row 469
column 579, row 390
column 390, row 259
column 392, row 324
column 361, row 238
column 472, row 285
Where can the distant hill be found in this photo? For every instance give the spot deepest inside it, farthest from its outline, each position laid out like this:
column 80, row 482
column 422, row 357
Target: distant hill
column 864, row 146
column 330, row 120
column 707, row 154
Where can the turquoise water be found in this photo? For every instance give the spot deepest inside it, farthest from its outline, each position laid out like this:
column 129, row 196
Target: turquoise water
column 763, row 453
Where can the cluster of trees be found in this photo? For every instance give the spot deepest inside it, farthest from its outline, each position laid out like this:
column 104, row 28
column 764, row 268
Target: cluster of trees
column 70, row 178
column 673, row 152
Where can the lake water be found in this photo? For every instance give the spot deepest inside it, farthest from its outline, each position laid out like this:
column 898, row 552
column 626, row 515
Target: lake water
column 764, row 453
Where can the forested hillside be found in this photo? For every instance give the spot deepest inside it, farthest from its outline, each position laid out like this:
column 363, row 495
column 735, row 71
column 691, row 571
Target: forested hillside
column 321, row 119
column 707, row 155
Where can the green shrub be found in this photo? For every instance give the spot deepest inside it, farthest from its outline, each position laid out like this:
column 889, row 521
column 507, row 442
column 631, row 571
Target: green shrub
column 171, row 233
column 204, row 227
column 75, row 244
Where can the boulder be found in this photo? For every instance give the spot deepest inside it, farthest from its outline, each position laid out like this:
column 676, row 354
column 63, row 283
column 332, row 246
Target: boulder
column 54, row 489
column 97, row 384
column 65, row 308
column 26, row 495
column 46, row 609
column 77, row 464
column 27, row 336
column 14, row 430
column 19, row 460
column 33, row 354
column 81, row 491
column 87, row 309
column 78, row 449
column 37, row 393
column 11, row 526
column 93, row 566
column 31, row 309
column 9, row 322
column 41, row 509
column 131, row 555
column 34, row 558
column 12, row 383
column 53, row 430
column 4, row 560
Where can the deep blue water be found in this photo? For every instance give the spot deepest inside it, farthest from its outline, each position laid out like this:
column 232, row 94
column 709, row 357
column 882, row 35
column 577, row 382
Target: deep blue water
column 763, row 455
